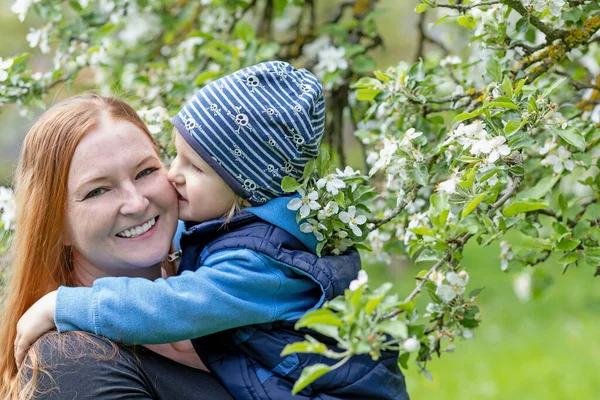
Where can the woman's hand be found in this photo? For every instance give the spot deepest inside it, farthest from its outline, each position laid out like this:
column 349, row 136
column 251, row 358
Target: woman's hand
column 38, row 320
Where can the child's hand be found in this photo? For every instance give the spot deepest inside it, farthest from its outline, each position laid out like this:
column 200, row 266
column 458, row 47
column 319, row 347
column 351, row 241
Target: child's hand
column 38, row 320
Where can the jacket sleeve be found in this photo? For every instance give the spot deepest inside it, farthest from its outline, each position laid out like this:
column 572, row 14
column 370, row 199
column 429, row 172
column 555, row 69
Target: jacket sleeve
column 234, row 288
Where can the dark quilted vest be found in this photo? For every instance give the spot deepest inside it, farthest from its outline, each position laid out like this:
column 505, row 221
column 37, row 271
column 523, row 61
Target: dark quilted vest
column 247, row 360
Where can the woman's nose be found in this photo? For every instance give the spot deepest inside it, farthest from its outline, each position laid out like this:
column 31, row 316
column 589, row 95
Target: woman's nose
column 134, row 202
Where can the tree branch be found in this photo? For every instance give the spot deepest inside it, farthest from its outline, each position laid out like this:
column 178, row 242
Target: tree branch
column 461, row 242
column 551, row 34
column 463, row 8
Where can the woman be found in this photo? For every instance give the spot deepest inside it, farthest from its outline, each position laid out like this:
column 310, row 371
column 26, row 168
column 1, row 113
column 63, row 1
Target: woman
column 93, row 201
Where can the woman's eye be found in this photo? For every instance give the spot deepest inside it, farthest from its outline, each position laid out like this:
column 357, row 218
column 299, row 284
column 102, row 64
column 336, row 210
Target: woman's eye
column 145, row 172
column 95, row 193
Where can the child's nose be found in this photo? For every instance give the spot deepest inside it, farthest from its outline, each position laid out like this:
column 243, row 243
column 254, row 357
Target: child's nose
column 174, row 174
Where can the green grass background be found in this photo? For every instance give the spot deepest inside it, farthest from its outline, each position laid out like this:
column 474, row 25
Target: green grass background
column 538, row 350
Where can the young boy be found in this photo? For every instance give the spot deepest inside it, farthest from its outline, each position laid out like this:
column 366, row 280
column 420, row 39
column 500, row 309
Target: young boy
column 246, row 275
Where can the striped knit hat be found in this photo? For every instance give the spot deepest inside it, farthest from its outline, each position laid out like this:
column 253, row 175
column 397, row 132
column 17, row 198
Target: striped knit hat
column 255, row 126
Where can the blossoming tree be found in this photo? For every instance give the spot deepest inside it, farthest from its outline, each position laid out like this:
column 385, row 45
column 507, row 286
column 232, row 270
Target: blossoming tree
column 493, row 128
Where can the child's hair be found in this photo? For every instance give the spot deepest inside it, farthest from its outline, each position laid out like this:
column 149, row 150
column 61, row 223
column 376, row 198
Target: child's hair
column 256, row 126
column 238, row 205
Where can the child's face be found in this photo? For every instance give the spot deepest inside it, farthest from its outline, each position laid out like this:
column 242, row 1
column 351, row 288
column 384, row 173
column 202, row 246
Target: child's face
column 203, row 195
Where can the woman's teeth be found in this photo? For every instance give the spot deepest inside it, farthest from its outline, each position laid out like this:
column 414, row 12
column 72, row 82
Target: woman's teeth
column 138, row 230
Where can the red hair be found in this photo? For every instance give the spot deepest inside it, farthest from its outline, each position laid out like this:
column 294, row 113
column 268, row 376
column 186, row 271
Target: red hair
column 41, row 263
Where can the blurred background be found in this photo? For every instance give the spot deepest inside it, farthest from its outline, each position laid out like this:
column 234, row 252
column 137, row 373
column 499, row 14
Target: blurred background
column 538, row 349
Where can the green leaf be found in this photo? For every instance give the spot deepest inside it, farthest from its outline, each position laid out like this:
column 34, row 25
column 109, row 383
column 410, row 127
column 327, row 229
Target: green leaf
column 320, row 316
column 556, row 84
column 468, row 179
column 512, row 126
column 309, row 168
column 475, row 292
column 366, row 83
column 309, row 375
column 569, row 258
column 323, row 162
column 472, row 204
column 507, row 85
column 540, row 189
column 395, row 328
column 289, row 184
column 243, row 30
column 204, row 76
column 420, row 174
column 517, row 207
column 423, row 230
column 503, row 104
column 573, row 137
column 367, row 94
column 468, row 159
column 564, row 206
column 428, row 255
column 421, row 8
column 494, row 70
column 363, row 64
column 465, row 116
column 268, row 50
column 468, row 21
column 403, row 360
column 304, row 347
column 568, row 244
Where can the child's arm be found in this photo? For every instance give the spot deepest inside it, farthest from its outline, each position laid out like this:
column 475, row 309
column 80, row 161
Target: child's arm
column 235, row 288
column 36, row 321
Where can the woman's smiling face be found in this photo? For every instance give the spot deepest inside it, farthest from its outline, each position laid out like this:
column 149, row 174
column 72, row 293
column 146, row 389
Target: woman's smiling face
column 121, row 209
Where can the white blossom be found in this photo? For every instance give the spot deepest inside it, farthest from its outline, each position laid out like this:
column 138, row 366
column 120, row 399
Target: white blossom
column 330, row 209
column 449, row 186
column 39, row 37
column 409, row 136
column 20, row 7
column 314, row 226
column 415, row 206
column 411, row 345
column 305, row 203
column 549, row 145
column 349, row 217
column 348, row 171
column 4, row 65
column 522, row 286
column 7, row 207
column 385, row 155
column 332, row 184
column 498, row 149
column 432, row 308
column 331, row 59
column 437, row 277
column 359, row 281
column 139, row 25
column 505, row 255
column 559, row 161
column 467, row 333
column 541, row 5
column 341, row 242
column 450, row 60
column 311, row 50
column 466, row 135
column 456, row 286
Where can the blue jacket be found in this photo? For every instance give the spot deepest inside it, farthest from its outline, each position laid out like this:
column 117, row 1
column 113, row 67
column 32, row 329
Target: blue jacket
column 247, row 360
column 241, row 277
